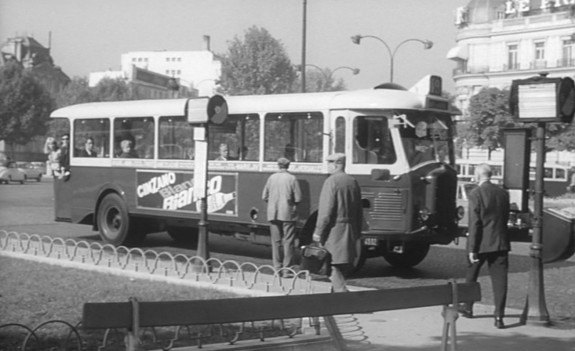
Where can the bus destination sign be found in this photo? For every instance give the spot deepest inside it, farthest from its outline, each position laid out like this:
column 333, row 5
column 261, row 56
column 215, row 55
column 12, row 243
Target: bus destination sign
column 174, row 191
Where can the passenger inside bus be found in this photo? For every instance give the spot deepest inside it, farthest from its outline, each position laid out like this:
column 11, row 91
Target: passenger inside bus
column 224, row 152
column 418, row 147
column 128, row 151
column 89, row 150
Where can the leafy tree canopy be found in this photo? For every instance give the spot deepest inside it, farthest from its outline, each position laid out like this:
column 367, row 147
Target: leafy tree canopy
column 488, row 115
column 258, row 64
column 25, row 105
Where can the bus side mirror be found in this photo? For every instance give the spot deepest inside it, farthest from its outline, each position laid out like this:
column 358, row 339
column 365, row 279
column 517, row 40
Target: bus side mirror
column 380, row 174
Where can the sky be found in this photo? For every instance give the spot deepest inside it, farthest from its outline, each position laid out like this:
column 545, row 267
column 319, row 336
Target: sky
column 90, row 35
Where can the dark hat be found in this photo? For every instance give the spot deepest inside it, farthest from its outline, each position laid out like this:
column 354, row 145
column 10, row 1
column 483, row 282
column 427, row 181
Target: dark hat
column 283, row 162
column 336, row 158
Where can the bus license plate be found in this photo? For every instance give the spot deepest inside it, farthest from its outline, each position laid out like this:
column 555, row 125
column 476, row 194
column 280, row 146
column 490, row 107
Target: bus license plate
column 370, row 241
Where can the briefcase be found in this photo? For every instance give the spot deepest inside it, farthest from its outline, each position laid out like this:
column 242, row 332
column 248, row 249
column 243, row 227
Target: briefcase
column 315, row 259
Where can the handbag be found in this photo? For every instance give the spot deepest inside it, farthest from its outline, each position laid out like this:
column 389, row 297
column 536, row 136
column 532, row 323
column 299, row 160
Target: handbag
column 315, row 259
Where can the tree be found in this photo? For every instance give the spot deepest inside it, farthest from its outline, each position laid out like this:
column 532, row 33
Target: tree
column 109, row 89
column 488, row 115
column 258, row 64
column 317, row 81
column 76, row 92
column 25, row 105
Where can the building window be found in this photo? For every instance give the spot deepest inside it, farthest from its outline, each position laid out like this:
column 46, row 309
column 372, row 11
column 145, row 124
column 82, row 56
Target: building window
column 512, row 51
column 539, row 55
column 567, row 59
column 540, row 50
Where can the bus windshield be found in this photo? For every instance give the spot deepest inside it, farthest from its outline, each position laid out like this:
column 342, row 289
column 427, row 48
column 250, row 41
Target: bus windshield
column 426, row 137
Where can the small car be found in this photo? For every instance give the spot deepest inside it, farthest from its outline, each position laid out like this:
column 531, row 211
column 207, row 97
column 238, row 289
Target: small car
column 31, row 169
column 11, row 173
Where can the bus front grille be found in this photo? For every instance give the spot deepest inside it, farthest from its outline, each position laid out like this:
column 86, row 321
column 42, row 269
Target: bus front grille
column 387, row 210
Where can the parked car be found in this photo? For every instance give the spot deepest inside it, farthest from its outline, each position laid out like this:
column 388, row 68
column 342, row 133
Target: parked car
column 31, row 170
column 11, row 173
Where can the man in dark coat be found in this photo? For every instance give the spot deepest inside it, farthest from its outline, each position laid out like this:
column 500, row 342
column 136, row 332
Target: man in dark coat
column 282, row 193
column 338, row 226
column 488, row 238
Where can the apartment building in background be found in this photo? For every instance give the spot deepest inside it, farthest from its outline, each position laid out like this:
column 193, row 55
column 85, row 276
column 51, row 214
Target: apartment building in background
column 502, row 40
column 197, row 71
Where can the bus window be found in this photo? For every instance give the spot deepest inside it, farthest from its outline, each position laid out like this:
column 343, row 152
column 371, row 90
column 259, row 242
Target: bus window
column 134, row 137
column 175, row 139
column 548, row 173
column 372, row 141
column 560, row 173
column 98, row 130
column 295, row 136
column 340, row 135
column 240, row 134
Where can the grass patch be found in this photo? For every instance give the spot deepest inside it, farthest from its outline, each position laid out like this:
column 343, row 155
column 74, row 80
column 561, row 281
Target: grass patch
column 32, row 293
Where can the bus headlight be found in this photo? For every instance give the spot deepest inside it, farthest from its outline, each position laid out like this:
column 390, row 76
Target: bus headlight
column 424, row 214
column 460, row 212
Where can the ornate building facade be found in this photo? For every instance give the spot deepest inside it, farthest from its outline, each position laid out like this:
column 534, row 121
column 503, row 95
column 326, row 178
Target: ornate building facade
column 499, row 41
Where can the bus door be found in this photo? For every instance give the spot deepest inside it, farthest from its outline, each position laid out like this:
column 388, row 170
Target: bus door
column 63, row 198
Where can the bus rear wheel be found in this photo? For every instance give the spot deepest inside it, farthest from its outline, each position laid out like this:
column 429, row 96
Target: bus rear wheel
column 187, row 236
column 413, row 254
column 114, row 222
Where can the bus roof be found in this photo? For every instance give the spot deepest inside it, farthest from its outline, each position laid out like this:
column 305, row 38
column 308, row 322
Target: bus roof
column 367, row 99
column 356, row 99
column 130, row 108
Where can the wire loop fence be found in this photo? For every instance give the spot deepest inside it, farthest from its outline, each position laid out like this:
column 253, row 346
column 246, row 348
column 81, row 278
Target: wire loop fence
column 162, row 265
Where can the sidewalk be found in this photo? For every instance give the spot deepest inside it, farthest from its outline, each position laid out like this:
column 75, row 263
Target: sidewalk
column 422, row 328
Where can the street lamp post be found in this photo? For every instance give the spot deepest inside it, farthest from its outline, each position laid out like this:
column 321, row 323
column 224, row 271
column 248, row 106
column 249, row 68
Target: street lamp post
column 328, row 77
column 427, row 44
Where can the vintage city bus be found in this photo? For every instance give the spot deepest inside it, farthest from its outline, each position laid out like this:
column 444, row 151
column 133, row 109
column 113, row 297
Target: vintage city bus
column 408, row 181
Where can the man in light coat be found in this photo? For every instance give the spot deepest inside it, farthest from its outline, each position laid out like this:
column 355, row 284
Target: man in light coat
column 282, row 194
column 339, row 218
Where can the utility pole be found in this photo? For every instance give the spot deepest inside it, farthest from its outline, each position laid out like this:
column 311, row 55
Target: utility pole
column 303, row 45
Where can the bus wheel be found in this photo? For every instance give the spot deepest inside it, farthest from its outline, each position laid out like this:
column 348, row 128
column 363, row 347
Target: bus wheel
column 116, row 226
column 305, row 236
column 412, row 255
column 360, row 257
column 187, row 236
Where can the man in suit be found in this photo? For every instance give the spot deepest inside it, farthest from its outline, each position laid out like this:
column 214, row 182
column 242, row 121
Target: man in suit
column 488, row 239
column 282, row 194
column 339, row 216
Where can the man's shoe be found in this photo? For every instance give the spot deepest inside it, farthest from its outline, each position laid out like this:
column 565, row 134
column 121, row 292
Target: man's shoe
column 499, row 323
column 465, row 311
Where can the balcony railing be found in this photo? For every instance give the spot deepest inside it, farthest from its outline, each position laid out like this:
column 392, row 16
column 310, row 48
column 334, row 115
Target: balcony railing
column 538, row 64
column 566, row 62
column 534, row 65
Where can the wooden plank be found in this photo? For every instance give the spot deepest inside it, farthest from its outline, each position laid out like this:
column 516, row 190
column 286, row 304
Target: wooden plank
column 193, row 312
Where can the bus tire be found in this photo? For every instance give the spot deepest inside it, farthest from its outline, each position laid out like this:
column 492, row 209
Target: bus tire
column 114, row 222
column 186, row 236
column 360, row 257
column 413, row 254
column 305, row 236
